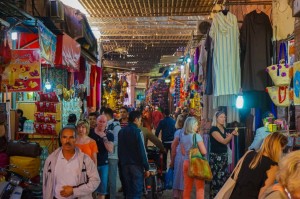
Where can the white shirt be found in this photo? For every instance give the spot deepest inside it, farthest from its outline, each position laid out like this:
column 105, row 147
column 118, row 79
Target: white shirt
column 66, row 174
column 115, row 132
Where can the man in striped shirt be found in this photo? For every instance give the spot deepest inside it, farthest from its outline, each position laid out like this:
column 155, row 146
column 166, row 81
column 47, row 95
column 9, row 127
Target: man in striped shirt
column 124, row 117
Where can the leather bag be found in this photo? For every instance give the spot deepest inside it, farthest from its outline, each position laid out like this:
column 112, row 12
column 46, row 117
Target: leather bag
column 199, row 167
column 22, row 148
column 229, row 185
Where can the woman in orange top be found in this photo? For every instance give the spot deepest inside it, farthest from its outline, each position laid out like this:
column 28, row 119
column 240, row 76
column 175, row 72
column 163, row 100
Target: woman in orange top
column 86, row 144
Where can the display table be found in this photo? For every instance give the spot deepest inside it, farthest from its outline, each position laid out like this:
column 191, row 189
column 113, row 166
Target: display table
column 47, row 140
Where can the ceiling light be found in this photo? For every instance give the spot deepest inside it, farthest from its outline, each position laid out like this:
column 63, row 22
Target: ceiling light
column 14, row 35
column 47, row 85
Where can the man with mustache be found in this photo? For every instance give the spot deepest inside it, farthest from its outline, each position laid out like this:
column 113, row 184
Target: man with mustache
column 68, row 173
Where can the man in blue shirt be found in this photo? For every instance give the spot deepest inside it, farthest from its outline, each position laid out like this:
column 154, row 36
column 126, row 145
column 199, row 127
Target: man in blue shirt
column 261, row 133
column 167, row 129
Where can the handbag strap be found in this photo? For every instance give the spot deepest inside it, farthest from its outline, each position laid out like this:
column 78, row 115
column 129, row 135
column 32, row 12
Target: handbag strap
column 284, row 88
column 282, row 46
column 195, row 144
column 238, row 167
column 282, row 49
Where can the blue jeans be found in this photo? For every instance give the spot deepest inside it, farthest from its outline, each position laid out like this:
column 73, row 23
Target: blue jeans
column 133, row 179
column 103, row 173
column 112, row 173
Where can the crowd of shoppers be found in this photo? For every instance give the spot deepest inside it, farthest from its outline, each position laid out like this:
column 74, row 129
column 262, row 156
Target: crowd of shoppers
column 100, row 148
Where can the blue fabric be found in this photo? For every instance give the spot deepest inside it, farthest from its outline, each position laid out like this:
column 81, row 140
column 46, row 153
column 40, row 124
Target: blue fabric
column 103, row 173
column 167, row 127
column 133, row 179
column 258, row 119
column 169, row 179
column 112, row 172
column 260, row 135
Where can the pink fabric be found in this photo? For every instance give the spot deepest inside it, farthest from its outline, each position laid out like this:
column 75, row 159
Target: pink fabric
column 232, row 165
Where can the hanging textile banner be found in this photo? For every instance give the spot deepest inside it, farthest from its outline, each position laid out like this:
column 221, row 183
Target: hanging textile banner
column 296, row 83
column 47, row 41
column 70, row 53
column 23, row 72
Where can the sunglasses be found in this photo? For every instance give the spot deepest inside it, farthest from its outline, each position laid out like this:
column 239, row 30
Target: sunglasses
column 84, row 121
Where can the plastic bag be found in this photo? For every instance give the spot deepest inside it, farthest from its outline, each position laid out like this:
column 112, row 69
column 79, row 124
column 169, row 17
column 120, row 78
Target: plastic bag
column 169, row 179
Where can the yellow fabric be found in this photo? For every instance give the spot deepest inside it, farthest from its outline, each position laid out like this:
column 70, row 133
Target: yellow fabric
column 31, row 165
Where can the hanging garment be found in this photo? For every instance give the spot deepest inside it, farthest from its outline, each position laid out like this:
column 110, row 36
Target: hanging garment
column 232, row 114
column 209, row 66
column 282, row 19
column 226, row 62
column 256, row 48
column 202, row 62
column 196, row 58
column 224, row 100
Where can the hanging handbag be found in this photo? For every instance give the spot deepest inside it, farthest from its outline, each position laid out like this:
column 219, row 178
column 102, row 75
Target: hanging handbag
column 226, row 190
column 280, row 95
column 199, row 167
column 281, row 73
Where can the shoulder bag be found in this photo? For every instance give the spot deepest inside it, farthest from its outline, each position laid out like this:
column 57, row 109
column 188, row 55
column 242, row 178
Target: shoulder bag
column 199, row 167
column 229, row 185
column 281, row 73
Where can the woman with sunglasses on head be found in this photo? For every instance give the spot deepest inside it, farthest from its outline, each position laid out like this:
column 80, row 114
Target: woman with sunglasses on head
column 258, row 170
column 218, row 157
column 86, row 144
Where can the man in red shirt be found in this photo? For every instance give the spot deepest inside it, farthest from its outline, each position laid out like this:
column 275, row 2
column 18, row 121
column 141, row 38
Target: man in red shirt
column 156, row 117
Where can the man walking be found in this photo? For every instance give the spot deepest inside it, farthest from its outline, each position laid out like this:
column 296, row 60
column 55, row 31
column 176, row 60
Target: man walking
column 114, row 127
column 167, row 129
column 69, row 173
column 124, row 116
column 132, row 157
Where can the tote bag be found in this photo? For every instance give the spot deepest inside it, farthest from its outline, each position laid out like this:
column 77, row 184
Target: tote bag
column 280, row 95
column 199, row 167
column 229, row 185
column 281, row 73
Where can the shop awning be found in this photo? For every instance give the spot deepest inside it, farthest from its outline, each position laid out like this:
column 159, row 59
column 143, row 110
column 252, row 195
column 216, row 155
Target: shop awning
column 78, row 28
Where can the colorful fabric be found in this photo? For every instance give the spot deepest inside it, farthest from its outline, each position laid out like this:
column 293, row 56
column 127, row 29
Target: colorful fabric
column 219, row 168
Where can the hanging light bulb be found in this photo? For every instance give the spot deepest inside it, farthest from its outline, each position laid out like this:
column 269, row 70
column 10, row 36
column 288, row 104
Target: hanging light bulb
column 152, row 45
column 47, row 85
column 146, row 47
column 239, row 104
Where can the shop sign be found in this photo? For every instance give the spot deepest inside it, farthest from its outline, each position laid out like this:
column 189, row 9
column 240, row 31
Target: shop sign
column 47, row 41
column 23, row 72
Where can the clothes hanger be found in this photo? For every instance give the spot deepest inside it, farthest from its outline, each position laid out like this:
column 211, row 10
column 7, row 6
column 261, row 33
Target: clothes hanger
column 258, row 9
column 224, row 10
